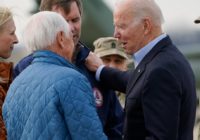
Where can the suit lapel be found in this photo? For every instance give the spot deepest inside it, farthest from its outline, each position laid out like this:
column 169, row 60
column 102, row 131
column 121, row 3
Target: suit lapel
column 135, row 74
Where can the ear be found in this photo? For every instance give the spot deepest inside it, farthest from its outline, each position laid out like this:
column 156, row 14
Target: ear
column 147, row 25
column 60, row 39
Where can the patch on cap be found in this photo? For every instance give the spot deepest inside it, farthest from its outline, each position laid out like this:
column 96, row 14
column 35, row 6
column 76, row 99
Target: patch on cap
column 113, row 45
column 109, row 46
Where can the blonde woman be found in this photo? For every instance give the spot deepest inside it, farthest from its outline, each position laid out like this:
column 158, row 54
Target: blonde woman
column 7, row 41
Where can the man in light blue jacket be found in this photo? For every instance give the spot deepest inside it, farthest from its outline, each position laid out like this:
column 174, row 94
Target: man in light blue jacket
column 51, row 99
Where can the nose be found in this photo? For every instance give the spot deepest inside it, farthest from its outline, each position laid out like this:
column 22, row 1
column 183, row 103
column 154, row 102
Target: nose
column 15, row 40
column 112, row 65
column 116, row 33
column 72, row 27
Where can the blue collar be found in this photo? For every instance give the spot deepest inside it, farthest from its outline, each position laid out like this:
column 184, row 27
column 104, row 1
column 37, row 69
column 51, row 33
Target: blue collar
column 51, row 57
column 140, row 54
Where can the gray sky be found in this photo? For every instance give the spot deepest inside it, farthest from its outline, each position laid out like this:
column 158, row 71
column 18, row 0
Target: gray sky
column 21, row 9
column 177, row 13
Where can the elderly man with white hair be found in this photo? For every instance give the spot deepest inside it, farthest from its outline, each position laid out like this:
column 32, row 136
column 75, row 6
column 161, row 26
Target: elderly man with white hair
column 51, row 99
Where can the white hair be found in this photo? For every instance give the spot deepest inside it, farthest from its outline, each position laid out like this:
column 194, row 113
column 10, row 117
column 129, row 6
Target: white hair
column 149, row 8
column 146, row 8
column 42, row 29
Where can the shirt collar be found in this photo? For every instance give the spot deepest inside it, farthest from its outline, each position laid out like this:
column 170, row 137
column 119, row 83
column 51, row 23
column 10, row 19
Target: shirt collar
column 140, row 54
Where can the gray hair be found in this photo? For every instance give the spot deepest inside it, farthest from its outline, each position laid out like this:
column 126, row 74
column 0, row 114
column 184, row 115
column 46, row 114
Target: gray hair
column 147, row 8
column 42, row 28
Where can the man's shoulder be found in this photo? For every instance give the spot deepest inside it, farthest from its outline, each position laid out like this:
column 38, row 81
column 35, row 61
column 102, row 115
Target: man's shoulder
column 83, row 52
column 63, row 72
column 26, row 59
column 22, row 64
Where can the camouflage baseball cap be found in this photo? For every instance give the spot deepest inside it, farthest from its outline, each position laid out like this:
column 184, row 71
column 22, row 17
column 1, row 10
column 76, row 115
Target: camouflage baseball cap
column 197, row 20
column 108, row 46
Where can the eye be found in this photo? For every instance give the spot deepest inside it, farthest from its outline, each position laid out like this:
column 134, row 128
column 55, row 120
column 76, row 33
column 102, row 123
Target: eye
column 76, row 19
column 120, row 26
column 12, row 33
column 106, row 60
column 118, row 61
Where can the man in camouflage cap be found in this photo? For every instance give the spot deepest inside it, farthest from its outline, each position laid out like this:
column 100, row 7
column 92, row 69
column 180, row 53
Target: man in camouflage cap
column 110, row 50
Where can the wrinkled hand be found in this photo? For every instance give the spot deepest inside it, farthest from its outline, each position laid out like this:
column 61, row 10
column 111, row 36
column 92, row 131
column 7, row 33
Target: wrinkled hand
column 92, row 62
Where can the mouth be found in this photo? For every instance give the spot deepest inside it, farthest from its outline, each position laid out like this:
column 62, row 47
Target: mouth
column 124, row 44
column 75, row 37
column 11, row 47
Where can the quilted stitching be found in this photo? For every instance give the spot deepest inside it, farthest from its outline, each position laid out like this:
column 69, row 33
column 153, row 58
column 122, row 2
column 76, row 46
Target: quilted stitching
column 62, row 108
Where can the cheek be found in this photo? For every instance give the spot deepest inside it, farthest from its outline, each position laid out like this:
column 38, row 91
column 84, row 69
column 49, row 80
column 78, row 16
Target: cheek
column 132, row 34
column 118, row 66
column 5, row 50
column 123, row 67
column 105, row 62
column 127, row 36
column 5, row 43
column 134, row 37
column 78, row 26
column 72, row 47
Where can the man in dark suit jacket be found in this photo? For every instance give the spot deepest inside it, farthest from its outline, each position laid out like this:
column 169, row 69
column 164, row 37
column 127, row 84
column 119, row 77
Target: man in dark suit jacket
column 160, row 92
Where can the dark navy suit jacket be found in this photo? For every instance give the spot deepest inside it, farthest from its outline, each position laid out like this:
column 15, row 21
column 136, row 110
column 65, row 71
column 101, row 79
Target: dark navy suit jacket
column 160, row 95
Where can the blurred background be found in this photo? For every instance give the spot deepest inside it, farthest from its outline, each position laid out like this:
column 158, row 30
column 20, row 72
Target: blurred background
column 97, row 22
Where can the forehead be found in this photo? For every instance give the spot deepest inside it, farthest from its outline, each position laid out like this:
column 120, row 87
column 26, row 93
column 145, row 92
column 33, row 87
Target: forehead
column 114, row 56
column 71, row 5
column 124, row 14
column 73, row 11
column 8, row 26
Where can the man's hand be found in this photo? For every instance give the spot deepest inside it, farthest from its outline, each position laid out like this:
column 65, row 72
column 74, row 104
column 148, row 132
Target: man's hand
column 93, row 62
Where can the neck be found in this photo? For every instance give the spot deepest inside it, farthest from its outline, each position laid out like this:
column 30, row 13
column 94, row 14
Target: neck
column 157, row 31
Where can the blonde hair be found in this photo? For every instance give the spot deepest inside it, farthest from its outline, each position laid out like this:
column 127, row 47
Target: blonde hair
column 5, row 15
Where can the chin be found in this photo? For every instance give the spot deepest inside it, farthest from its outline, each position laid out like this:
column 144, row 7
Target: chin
column 128, row 52
column 75, row 41
column 5, row 57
